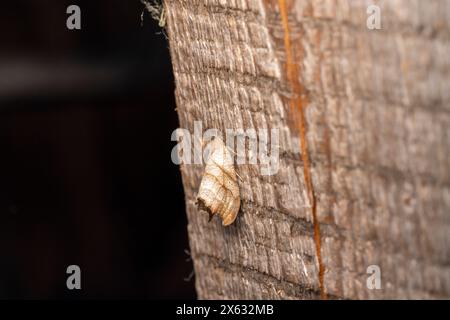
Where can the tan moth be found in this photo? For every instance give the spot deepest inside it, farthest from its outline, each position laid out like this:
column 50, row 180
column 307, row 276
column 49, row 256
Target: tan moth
column 219, row 191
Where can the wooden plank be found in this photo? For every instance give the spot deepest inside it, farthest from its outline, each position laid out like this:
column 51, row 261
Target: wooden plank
column 364, row 122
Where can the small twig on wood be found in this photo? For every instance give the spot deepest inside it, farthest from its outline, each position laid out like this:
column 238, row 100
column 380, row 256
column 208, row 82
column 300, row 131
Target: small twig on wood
column 156, row 11
column 190, row 276
column 188, row 253
column 189, row 258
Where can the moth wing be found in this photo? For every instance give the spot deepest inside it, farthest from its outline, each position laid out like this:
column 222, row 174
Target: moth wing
column 219, row 191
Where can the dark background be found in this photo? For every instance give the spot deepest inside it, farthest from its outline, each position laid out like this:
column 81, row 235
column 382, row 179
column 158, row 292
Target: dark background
column 86, row 176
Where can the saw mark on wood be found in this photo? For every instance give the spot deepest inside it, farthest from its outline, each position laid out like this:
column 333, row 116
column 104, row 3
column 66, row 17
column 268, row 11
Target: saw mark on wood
column 297, row 105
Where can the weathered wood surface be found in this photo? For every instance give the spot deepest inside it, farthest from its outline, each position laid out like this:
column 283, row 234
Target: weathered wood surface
column 365, row 122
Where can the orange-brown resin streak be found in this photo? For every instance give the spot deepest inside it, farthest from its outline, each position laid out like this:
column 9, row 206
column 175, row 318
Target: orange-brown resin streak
column 297, row 106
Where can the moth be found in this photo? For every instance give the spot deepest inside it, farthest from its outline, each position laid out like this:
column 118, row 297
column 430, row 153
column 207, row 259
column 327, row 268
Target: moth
column 219, row 191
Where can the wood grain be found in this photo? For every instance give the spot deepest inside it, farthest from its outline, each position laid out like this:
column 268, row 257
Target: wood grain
column 364, row 117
